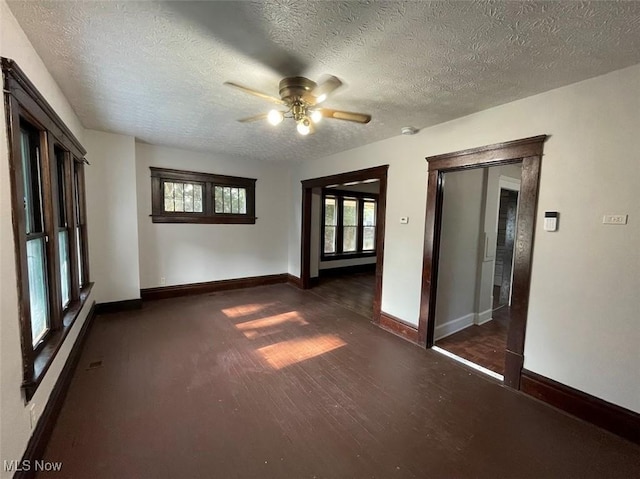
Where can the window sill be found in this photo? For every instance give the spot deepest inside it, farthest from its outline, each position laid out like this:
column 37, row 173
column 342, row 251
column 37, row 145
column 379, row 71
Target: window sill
column 200, row 219
column 45, row 356
column 336, row 257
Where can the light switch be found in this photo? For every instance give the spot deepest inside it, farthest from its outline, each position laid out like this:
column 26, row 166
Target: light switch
column 551, row 221
column 404, row 220
column 614, row 219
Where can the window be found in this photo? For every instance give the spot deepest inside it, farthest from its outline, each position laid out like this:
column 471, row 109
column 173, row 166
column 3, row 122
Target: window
column 182, row 197
column 230, row 200
column 53, row 283
column 80, row 223
column 348, row 224
column 63, row 227
column 35, row 235
column 368, row 225
column 191, row 197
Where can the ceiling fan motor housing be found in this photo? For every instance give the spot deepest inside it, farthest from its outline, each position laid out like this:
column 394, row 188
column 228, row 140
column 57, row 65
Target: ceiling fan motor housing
column 297, row 88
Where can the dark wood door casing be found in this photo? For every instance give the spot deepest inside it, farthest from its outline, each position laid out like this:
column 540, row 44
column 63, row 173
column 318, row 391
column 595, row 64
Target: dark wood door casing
column 379, row 173
column 528, row 151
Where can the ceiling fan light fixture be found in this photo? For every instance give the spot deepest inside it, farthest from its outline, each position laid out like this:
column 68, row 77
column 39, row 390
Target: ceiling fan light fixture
column 304, row 127
column 275, row 117
column 299, row 100
column 316, row 116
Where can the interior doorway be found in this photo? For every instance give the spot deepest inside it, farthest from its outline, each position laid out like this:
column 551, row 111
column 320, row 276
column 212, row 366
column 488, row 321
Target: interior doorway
column 343, row 238
column 528, row 152
column 478, row 228
column 343, row 244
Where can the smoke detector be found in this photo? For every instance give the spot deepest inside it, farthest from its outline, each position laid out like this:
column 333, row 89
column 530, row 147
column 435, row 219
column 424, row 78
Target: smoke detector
column 409, row 130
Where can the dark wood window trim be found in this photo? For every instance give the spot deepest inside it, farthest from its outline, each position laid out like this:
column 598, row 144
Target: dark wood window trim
column 25, row 106
column 527, row 151
column 208, row 181
column 340, row 196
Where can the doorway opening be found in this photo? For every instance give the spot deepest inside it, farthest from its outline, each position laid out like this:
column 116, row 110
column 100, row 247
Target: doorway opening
column 477, row 238
column 528, row 153
column 343, row 244
column 343, row 238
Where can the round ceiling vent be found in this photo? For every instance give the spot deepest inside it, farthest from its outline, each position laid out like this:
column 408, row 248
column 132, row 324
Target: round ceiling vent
column 409, row 130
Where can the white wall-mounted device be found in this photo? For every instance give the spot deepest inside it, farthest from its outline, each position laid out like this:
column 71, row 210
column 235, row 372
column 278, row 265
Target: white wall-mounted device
column 550, row 220
column 614, row 219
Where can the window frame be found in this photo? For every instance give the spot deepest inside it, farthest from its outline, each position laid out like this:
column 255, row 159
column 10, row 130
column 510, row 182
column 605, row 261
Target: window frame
column 25, row 105
column 340, row 196
column 209, row 180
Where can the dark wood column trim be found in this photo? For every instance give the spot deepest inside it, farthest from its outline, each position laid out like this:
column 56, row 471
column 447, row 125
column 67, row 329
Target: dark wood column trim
column 305, row 264
column 529, row 152
column 426, row 328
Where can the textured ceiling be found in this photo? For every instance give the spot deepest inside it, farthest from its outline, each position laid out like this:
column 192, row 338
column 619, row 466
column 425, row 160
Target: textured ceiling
column 154, row 70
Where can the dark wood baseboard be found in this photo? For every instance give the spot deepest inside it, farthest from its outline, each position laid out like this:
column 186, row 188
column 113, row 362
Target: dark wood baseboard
column 353, row 269
column 163, row 292
column 611, row 417
column 42, row 433
column 294, row 281
column 118, row 306
column 398, row 327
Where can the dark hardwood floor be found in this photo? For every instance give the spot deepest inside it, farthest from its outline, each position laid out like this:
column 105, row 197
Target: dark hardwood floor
column 352, row 291
column 486, row 344
column 274, row 382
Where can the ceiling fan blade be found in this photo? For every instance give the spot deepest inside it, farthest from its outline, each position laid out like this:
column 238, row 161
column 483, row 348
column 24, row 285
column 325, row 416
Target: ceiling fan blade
column 264, row 96
column 345, row 115
column 261, row 116
column 325, row 87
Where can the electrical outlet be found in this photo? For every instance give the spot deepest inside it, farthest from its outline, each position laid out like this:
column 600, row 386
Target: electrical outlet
column 163, row 280
column 614, row 219
column 33, row 416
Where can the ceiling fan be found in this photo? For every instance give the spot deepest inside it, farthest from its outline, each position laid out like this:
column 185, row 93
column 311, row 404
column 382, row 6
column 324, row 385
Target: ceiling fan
column 300, row 98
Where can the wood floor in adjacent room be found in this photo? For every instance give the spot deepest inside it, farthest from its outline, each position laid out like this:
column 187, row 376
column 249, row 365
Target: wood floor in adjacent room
column 274, row 382
column 353, row 291
column 485, row 345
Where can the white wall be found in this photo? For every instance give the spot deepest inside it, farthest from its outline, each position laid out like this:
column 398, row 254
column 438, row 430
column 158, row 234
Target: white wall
column 112, row 215
column 191, row 253
column 15, row 428
column 458, row 264
column 583, row 329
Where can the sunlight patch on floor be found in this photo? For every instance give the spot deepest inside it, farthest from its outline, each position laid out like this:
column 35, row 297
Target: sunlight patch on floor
column 294, row 351
column 251, row 329
column 245, row 309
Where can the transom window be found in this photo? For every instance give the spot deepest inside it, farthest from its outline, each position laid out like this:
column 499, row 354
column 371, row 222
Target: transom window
column 348, row 224
column 190, row 197
column 182, row 197
column 229, row 199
